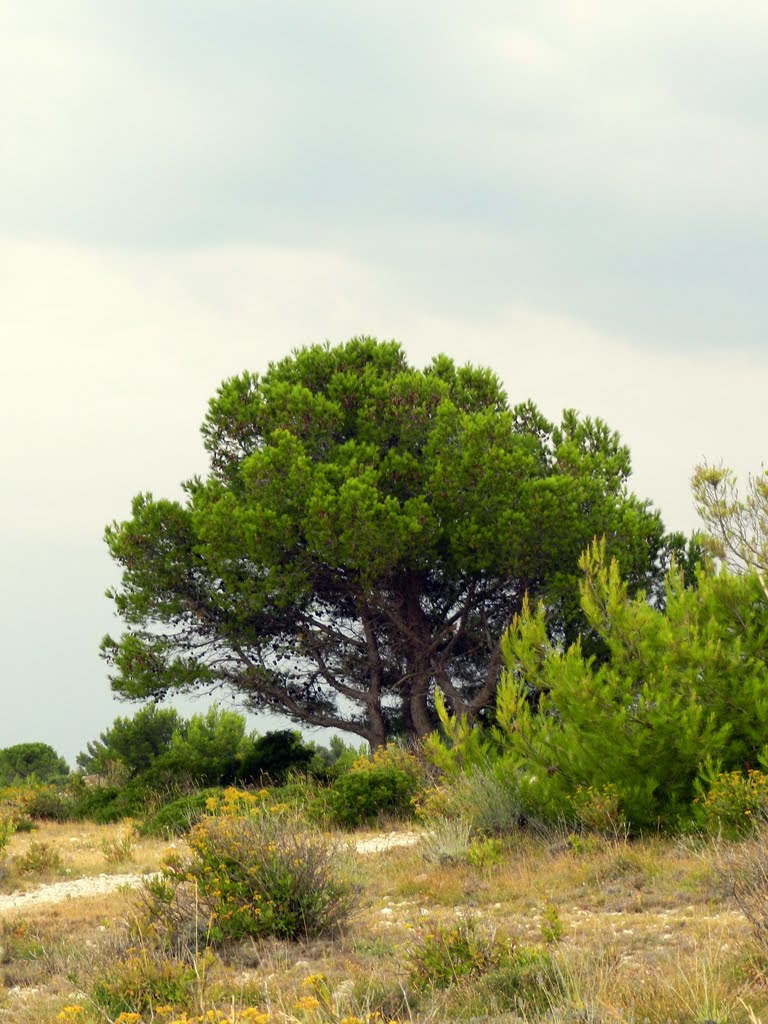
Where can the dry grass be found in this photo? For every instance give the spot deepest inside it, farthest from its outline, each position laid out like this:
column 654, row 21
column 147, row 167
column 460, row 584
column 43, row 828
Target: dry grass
column 650, row 933
column 83, row 849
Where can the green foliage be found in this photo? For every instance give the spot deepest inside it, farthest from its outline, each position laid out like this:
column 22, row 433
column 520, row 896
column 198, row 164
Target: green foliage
column 447, row 841
column 39, row 859
column 273, row 755
column 119, row 849
column 731, row 803
column 489, row 797
column 552, row 927
column 677, row 687
column 135, row 742
column 256, row 870
column 157, row 749
column 365, row 532
column 7, row 829
column 209, row 749
column 358, row 798
column 143, row 980
column 485, row 852
column 459, row 745
column 28, row 761
column 107, row 804
column 385, row 783
column 33, row 800
column 599, row 809
column 177, row 816
column 454, row 953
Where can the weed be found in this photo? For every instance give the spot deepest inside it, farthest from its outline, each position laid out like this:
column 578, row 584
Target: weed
column 448, row 954
column 552, row 927
column 485, row 853
column 119, row 850
column 447, row 840
column 38, row 859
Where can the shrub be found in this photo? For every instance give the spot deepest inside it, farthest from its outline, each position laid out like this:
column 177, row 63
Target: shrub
column 597, row 809
column 485, row 853
column 274, row 755
column 7, row 828
column 733, row 803
column 38, row 859
column 254, row 871
column 120, row 849
column 107, row 804
column 48, row 803
column 447, row 841
column 525, row 983
column 37, row 800
column 743, row 867
column 384, row 783
column 490, row 798
column 178, row 816
column 450, row 954
column 144, row 980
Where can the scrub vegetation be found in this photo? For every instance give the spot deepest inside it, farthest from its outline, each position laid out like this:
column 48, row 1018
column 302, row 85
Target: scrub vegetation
column 562, row 804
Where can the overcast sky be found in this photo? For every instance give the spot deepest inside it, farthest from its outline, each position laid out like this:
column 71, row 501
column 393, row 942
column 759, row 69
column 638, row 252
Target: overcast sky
column 573, row 193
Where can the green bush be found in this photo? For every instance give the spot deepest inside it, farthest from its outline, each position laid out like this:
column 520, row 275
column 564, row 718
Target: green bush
column 525, row 984
column 107, row 804
column 38, row 859
column 273, row 755
column 143, row 980
column 48, row 803
column 461, row 951
column 256, row 869
column 178, row 816
column 358, row 798
column 384, row 783
column 732, row 803
column 7, row 829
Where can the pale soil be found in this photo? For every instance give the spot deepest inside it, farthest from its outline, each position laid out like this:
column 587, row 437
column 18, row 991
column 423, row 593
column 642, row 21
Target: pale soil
column 97, row 885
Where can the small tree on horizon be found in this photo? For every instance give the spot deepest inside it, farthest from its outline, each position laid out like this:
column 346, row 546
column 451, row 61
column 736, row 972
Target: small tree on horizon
column 25, row 761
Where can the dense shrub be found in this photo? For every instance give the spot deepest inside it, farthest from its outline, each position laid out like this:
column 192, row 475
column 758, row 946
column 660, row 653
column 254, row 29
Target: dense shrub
column 108, row 804
column 179, row 815
column 142, row 981
column 732, row 803
column 134, row 742
column 446, row 955
column 273, row 755
column 680, row 681
column 256, row 869
column 39, row 859
column 37, row 801
column 385, row 783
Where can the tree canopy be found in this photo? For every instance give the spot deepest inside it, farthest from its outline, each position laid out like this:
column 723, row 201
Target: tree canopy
column 31, row 761
column 680, row 686
column 135, row 742
column 365, row 533
column 736, row 526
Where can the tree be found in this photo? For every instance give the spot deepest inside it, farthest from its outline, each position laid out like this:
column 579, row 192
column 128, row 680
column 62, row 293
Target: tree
column 31, row 760
column 680, row 686
column 135, row 742
column 365, row 534
column 274, row 755
column 737, row 528
column 210, row 749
